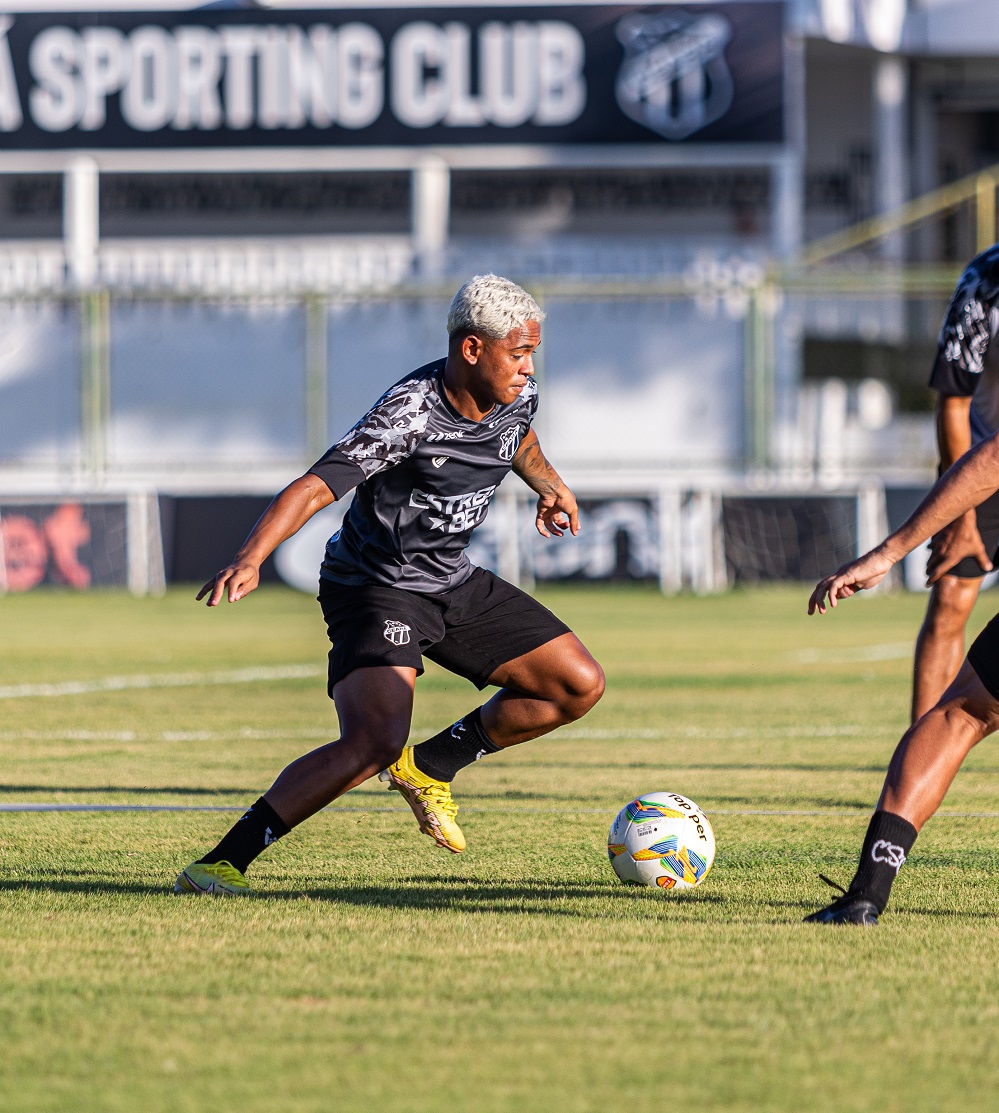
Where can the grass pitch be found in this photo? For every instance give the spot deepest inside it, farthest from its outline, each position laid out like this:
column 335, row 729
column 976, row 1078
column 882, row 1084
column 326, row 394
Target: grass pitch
column 379, row 972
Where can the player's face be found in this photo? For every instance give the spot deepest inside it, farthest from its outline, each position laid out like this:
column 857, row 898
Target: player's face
column 504, row 366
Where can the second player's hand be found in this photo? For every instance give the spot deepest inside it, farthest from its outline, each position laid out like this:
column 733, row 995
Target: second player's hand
column 236, row 581
column 557, row 512
column 952, row 544
column 859, row 575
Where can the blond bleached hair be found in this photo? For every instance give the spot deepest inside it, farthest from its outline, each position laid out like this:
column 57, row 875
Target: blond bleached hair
column 491, row 306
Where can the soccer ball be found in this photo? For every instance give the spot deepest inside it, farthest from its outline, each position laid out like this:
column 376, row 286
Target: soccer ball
column 661, row 839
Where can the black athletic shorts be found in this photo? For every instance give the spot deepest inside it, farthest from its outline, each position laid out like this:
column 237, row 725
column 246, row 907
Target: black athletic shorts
column 471, row 630
column 987, row 516
column 983, row 656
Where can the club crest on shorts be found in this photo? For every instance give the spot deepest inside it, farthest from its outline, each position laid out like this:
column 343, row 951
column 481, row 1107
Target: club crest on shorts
column 509, row 440
column 396, row 632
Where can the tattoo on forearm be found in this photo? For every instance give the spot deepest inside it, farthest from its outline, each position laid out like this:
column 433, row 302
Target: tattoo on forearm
column 530, row 464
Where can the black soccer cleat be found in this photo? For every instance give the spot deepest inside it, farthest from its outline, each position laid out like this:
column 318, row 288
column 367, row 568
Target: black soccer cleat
column 847, row 909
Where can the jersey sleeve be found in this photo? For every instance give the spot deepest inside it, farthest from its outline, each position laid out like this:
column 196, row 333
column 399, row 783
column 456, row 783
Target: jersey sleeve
column 530, row 402
column 965, row 335
column 386, row 435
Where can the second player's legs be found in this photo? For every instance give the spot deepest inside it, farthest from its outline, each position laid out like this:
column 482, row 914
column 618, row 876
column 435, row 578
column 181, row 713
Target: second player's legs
column 931, row 751
column 552, row 685
column 921, row 771
column 940, row 644
column 375, row 709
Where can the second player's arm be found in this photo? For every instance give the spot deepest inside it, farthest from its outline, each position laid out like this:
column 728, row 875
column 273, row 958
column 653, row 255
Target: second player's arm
column 960, row 538
column 964, row 486
column 286, row 515
column 557, row 507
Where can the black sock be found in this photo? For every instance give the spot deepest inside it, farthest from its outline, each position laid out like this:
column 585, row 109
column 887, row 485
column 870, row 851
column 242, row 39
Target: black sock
column 455, row 747
column 249, row 837
column 889, row 840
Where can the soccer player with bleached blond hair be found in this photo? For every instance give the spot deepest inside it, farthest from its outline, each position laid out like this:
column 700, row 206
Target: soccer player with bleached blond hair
column 397, row 586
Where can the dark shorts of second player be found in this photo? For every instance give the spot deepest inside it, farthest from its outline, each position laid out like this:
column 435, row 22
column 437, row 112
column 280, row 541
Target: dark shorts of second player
column 987, row 516
column 983, row 656
column 471, row 630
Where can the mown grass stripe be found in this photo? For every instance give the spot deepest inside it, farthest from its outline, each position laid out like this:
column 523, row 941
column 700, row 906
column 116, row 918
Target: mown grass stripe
column 160, row 680
column 501, row 809
column 844, row 730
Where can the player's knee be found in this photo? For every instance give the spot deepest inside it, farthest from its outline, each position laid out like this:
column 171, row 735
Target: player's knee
column 582, row 688
column 946, row 621
column 950, row 608
column 963, row 726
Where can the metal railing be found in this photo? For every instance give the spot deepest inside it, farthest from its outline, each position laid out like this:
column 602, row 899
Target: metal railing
column 241, row 266
column 320, row 276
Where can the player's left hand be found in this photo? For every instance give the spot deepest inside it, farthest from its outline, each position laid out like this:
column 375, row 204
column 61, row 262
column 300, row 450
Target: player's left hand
column 952, row 544
column 557, row 512
column 237, row 580
column 859, row 575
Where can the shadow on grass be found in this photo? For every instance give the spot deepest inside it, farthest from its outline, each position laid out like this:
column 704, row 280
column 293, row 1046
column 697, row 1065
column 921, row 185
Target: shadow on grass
column 788, row 800
column 806, row 908
column 946, row 913
column 430, row 893
column 85, row 888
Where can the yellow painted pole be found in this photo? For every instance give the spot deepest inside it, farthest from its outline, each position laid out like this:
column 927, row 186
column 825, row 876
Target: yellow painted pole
column 985, row 211
column 934, row 203
column 316, row 377
column 95, row 313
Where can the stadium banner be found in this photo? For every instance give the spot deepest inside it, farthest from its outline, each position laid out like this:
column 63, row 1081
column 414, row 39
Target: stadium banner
column 618, row 540
column 697, row 73
column 65, row 543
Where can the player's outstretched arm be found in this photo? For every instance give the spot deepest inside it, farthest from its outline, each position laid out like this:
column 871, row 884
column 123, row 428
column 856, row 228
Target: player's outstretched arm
column 557, row 509
column 960, row 538
column 969, row 482
column 286, row 515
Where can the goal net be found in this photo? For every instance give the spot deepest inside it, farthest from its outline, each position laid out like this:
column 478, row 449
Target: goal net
column 787, row 538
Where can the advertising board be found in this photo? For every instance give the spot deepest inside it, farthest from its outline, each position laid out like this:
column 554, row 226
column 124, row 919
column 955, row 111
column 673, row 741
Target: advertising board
column 64, row 543
column 403, row 76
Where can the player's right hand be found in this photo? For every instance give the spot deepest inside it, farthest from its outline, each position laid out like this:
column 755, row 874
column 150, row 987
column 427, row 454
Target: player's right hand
column 859, row 575
column 237, row 579
column 952, row 544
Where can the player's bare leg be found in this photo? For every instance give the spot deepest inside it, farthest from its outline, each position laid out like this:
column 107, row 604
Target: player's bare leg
column 940, row 644
column 921, row 771
column 554, row 684
column 931, row 751
column 375, row 708
column 546, row 688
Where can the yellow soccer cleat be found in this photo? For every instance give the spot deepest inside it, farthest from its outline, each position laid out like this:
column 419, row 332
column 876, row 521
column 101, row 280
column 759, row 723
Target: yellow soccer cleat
column 220, row 879
column 430, row 800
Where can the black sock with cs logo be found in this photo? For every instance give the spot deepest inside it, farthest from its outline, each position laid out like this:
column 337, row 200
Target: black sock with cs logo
column 886, row 847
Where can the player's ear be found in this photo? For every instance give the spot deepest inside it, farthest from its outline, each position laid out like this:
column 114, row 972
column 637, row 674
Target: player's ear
column 471, row 348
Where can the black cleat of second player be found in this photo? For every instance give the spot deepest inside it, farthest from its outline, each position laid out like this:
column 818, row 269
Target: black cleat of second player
column 846, row 909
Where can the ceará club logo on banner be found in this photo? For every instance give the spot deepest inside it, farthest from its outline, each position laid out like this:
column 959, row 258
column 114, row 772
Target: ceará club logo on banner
column 280, row 76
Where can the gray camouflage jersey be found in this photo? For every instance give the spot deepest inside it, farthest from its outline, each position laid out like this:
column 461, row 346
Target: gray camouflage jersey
column 967, row 362
column 424, row 476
